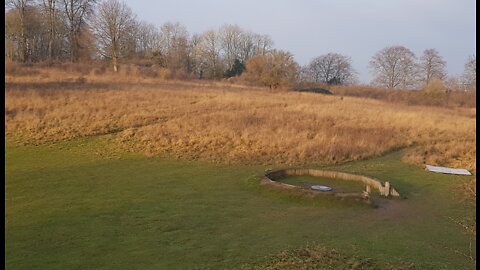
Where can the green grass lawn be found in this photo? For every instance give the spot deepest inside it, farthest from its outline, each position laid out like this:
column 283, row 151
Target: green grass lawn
column 82, row 205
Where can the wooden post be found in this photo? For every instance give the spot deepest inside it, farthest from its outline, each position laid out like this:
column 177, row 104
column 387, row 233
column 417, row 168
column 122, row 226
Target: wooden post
column 387, row 189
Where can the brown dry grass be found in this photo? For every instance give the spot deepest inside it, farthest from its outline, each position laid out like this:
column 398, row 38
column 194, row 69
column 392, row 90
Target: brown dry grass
column 232, row 124
column 433, row 95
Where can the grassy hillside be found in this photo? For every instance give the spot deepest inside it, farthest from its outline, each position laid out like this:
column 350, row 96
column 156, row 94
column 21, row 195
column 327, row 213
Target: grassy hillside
column 127, row 172
column 84, row 205
column 231, row 124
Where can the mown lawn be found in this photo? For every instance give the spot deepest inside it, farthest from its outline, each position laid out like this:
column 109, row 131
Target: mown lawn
column 82, row 205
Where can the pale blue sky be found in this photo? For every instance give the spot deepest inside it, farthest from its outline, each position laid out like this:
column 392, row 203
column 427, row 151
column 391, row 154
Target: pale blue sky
column 356, row 28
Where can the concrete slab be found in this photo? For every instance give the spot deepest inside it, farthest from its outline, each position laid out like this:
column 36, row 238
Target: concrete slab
column 446, row 170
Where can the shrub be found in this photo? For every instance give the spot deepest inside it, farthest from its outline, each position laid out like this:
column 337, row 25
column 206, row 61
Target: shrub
column 435, row 86
column 275, row 69
column 164, row 73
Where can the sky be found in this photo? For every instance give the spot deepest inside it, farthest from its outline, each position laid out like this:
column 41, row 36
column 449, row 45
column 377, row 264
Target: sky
column 354, row 28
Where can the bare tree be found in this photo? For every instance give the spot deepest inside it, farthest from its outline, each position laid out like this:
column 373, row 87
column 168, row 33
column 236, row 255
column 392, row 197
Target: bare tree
column 31, row 43
column 36, row 34
column 171, row 33
column 453, row 83
column 230, row 37
column 239, row 45
column 470, row 73
column 210, row 54
column 431, row 66
column 111, row 25
column 12, row 36
column 130, row 46
column 174, row 43
column 331, row 68
column 247, row 46
column 75, row 11
column 49, row 6
column 20, row 6
column 262, row 44
column 148, row 39
column 86, row 43
column 394, row 67
column 197, row 63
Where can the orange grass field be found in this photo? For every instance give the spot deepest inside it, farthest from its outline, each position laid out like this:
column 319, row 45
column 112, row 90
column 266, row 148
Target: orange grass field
column 227, row 123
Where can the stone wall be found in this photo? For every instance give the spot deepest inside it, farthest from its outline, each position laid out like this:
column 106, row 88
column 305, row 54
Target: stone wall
column 384, row 188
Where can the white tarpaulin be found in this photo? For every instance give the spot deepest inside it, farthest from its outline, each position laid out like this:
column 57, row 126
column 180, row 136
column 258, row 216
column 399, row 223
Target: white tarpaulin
column 447, row 170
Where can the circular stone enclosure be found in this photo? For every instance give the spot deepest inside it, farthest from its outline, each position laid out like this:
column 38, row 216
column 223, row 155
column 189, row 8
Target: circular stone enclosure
column 384, row 188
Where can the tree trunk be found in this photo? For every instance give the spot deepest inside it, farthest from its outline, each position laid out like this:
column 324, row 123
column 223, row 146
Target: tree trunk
column 50, row 49
column 23, row 37
column 115, row 63
column 51, row 30
column 73, row 41
column 114, row 56
column 72, row 45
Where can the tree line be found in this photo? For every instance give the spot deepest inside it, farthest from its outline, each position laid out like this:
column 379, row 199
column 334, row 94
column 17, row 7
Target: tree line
column 86, row 30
